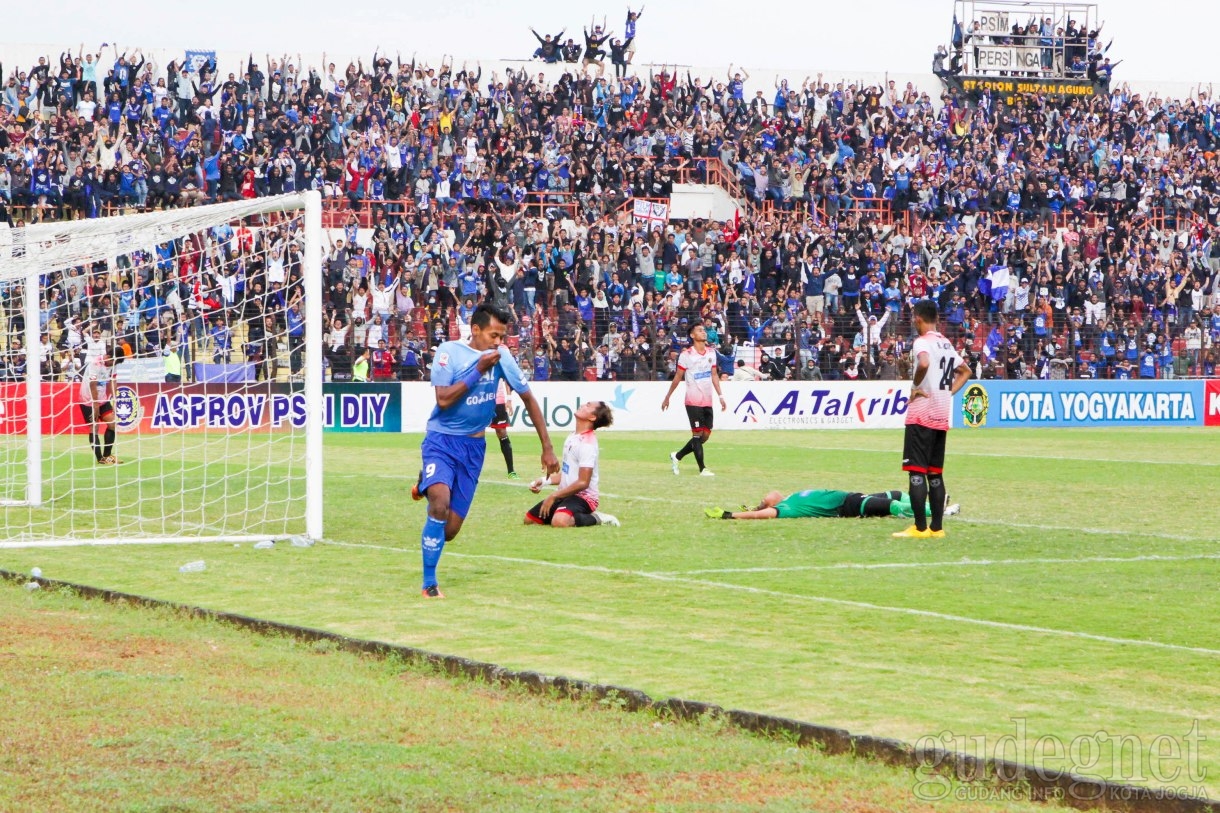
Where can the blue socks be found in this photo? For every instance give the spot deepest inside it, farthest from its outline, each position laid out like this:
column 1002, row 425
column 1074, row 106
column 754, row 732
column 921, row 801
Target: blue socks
column 431, row 543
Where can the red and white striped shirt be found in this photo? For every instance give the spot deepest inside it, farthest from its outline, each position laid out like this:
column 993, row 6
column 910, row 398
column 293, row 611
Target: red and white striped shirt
column 943, row 361
column 699, row 369
column 580, row 452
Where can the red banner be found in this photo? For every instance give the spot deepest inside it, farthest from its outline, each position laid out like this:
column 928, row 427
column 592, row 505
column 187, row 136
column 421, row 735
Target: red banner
column 262, row 406
column 60, row 414
column 1211, row 403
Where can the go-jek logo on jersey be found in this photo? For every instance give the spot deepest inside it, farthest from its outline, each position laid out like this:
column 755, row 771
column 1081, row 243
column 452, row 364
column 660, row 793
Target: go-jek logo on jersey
column 127, row 410
column 839, row 405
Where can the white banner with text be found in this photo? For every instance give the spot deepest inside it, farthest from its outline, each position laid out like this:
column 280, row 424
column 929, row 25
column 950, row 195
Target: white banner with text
column 748, row 405
column 1024, row 58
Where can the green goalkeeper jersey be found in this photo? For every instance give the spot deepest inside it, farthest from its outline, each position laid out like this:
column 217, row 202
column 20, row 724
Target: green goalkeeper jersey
column 812, row 503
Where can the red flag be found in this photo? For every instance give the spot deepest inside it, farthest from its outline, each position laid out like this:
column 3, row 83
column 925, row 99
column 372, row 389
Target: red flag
column 730, row 237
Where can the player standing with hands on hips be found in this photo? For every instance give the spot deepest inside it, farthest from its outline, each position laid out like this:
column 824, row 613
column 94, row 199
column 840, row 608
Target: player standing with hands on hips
column 465, row 375
column 939, row 373
column 697, row 365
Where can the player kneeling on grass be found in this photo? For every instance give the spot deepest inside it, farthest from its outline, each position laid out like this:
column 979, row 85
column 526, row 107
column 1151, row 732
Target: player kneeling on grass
column 819, row 502
column 574, row 502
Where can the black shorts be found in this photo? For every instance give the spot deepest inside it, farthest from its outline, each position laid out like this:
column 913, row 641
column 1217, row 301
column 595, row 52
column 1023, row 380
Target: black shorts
column 500, row 421
column 867, row 505
column 102, row 411
column 571, row 505
column 700, row 419
column 923, row 449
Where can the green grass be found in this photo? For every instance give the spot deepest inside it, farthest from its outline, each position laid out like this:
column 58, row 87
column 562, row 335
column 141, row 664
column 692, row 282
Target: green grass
column 113, row 708
column 168, row 485
column 1069, row 600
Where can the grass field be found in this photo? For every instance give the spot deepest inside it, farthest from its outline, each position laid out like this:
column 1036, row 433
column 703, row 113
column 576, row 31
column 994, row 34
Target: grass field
column 113, row 708
column 169, row 485
column 1073, row 599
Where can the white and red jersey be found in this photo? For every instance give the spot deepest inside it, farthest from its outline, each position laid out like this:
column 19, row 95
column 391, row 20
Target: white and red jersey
column 943, row 361
column 96, row 370
column 580, row 452
column 699, row 369
column 502, row 393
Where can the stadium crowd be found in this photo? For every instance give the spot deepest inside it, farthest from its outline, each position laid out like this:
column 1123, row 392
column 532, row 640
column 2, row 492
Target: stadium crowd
column 1061, row 236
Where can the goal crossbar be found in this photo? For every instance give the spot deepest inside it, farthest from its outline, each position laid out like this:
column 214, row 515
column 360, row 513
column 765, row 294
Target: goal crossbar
column 33, row 253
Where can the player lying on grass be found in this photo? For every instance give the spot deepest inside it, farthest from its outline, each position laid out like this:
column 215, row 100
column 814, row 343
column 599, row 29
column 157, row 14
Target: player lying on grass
column 821, row 502
column 574, row 502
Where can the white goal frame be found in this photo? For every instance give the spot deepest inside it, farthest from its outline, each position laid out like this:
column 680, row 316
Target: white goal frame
column 43, row 248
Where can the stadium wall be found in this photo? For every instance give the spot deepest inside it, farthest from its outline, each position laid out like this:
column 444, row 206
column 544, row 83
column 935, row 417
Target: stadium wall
column 405, row 407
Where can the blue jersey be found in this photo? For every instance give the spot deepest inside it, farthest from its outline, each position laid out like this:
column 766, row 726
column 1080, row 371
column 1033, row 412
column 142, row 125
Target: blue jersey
column 474, row 412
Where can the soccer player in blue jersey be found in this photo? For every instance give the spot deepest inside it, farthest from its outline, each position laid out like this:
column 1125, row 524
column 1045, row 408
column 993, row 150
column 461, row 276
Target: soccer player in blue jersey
column 465, row 375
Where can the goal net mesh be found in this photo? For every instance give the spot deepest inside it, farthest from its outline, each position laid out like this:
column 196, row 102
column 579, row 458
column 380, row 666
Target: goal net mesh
column 202, row 312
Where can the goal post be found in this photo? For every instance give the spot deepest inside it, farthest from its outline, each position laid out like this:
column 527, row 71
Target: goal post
column 227, row 295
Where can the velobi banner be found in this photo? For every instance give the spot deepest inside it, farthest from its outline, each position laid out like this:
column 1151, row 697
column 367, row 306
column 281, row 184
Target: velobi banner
column 152, row 408
column 1020, row 404
column 750, row 405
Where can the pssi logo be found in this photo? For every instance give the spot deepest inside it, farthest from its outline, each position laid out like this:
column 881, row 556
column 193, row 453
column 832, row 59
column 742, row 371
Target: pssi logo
column 974, row 406
column 127, row 411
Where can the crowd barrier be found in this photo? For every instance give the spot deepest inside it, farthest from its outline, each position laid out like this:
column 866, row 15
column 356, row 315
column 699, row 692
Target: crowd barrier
column 751, row 406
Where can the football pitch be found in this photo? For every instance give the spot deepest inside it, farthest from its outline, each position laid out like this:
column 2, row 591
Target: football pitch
column 1069, row 618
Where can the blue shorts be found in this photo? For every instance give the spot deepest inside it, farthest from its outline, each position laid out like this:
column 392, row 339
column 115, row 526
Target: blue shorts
column 455, row 461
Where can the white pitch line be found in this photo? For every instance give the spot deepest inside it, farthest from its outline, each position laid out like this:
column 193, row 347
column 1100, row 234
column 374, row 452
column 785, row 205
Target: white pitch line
column 1091, row 531
column 1007, row 455
column 412, row 478
column 947, row 564
column 969, row 520
column 839, row 602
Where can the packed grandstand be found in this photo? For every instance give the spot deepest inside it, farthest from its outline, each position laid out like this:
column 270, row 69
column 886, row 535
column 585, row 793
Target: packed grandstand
column 1064, row 234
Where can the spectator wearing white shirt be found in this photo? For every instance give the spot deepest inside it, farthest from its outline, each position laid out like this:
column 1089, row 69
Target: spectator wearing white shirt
column 1094, row 310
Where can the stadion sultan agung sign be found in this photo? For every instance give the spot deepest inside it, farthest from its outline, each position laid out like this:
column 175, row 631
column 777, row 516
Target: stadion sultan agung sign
column 750, row 405
column 1080, row 403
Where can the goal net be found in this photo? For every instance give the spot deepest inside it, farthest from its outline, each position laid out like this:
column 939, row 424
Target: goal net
column 207, row 323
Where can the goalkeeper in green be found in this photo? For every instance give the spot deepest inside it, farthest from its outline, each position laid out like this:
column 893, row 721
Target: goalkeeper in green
column 826, row 503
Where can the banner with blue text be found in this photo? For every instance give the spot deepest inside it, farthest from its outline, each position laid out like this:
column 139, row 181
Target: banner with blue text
column 748, row 405
column 1024, row 404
